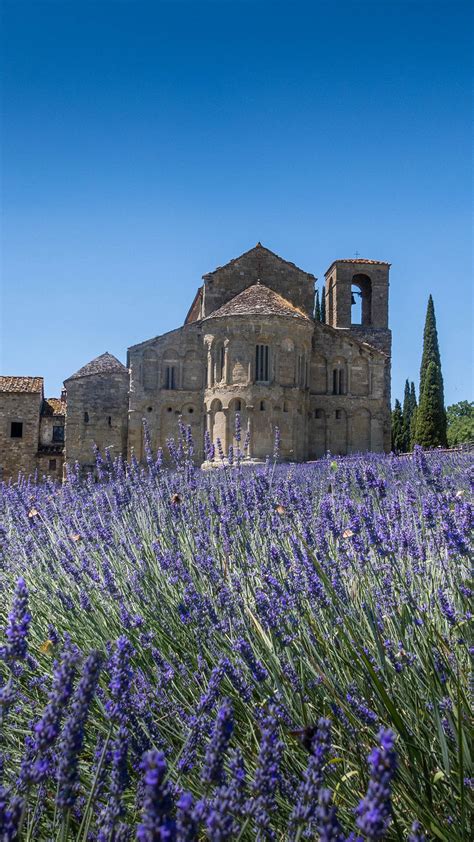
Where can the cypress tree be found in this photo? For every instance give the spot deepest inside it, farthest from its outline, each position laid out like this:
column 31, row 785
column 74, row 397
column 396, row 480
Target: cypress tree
column 413, row 414
column 406, row 413
column 430, row 347
column 431, row 355
column 317, row 308
column 431, row 415
column 397, row 428
column 323, row 305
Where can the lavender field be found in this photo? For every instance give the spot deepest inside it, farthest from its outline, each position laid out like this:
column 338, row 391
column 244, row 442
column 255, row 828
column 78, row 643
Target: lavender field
column 274, row 653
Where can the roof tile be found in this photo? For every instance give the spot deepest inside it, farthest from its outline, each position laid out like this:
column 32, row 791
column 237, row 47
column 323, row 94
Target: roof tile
column 258, row 300
column 53, row 406
column 21, row 384
column 105, row 364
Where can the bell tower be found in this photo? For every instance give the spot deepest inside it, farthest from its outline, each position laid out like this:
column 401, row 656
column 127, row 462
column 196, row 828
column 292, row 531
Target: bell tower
column 357, row 300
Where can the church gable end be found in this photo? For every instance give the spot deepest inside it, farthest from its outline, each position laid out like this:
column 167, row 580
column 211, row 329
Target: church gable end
column 258, row 265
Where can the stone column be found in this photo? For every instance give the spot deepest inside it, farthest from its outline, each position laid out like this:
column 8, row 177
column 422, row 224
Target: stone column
column 226, row 372
column 210, row 378
column 250, row 429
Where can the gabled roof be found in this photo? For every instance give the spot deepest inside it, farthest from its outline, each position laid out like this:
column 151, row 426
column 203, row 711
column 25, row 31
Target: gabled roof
column 258, row 300
column 53, row 406
column 105, row 364
column 21, row 384
column 257, row 249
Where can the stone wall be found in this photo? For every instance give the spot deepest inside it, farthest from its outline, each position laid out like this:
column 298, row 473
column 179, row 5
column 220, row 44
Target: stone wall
column 97, row 414
column 261, row 264
column 18, row 455
column 166, row 381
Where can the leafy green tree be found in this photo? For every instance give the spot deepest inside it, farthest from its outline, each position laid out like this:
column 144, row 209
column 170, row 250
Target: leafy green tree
column 398, row 438
column 323, row 305
column 460, row 418
column 433, row 406
column 317, row 308
column 431, row 416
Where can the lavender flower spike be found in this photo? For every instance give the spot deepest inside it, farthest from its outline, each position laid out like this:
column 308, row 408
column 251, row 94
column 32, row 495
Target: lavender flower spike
column 374, row 811
column 156, row 820
column 73, row 734
column 17, row 625
column 213, row 768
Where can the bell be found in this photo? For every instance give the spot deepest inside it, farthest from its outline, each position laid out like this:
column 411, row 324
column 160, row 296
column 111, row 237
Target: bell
column 353, row 301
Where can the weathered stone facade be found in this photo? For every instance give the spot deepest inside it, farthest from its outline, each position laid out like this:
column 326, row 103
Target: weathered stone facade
column 249, row 348
column 325, row 386
column 31, row 429
column 97, row 411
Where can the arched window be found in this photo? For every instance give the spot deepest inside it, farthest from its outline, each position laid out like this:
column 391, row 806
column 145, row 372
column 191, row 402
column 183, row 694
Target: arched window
column 170, row 377
column 170, row 369
column 339, row 382
column 262, row 367
column 219, row 362
column 361, row 300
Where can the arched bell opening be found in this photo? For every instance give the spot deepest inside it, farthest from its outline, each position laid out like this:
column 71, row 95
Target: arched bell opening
column 361, row 300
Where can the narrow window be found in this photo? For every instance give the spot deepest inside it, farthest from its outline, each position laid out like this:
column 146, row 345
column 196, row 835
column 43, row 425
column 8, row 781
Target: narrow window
column 285, row 406
column 16, row 430
column 262, row 363
column 86, row 418
column 341, row 381
column 262, row 406
column 334, row 381
column 338, row 414
column 238, row 406
column 58, row 434
column 109, row 420
column 222, row 352
column 52, row 465
column 170, row 377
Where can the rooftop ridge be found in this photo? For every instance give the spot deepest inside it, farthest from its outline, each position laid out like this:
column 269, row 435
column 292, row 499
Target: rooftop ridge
column 103, row 364
column 258, row 299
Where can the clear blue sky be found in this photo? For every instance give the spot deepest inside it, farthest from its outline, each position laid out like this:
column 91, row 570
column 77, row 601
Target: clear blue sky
column 145, row 143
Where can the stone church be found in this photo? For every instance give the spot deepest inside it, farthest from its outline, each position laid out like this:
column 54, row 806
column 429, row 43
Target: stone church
column 250, row 345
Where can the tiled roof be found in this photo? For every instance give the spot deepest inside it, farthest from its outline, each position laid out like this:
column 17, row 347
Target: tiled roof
column 255, row 248
column 104, row 364
column 53, row 406
column 21, row 384
column 363, row 260
column 258, row 300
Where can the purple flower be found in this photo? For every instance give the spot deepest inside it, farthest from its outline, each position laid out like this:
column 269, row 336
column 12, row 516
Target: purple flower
column 114, row 808
column 308, row 791
column 118, row 707
column 256, row 667
column 327, row 822
column 213, row 768
column 187, row 825
column 417, row 834
column 157, row 822
column 47, row 728
column 374, row 811
column 262, row 803
column 17, row 625
column 73, row 733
